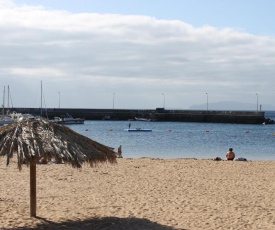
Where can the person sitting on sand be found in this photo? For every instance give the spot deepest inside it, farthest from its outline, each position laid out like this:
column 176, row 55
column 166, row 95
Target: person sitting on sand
column 43, row 160
column 230, row 155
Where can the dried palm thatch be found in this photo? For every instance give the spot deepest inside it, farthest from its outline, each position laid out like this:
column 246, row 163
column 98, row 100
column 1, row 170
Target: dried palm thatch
column 35, row 139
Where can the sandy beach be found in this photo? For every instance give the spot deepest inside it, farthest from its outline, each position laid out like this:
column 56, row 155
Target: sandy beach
column 142, row 193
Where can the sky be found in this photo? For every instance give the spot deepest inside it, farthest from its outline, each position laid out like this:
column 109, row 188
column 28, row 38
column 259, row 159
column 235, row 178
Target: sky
column 138, row 54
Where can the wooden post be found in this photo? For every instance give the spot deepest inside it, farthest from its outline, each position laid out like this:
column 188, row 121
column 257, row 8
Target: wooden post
column 33, row 187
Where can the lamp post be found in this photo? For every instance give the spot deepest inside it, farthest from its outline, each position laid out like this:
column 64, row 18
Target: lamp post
column 114, row 101
column 257, row 101
column 59, row 100
column 163, row 100
column 207, row 101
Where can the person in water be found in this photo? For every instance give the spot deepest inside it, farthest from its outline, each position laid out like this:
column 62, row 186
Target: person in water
column 119, row 152
column 230, row 155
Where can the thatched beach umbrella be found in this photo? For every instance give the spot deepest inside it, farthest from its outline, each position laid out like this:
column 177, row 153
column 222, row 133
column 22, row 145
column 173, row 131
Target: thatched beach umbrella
column 35, row 139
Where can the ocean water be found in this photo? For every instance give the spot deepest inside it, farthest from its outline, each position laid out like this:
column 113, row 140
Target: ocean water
column 184, row 139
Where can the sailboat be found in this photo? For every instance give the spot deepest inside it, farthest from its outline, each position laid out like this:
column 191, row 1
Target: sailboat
column 8, row 117
column 5, row 119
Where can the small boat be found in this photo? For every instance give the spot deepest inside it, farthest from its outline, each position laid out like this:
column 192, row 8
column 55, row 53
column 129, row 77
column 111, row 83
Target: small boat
column 14, row 117
column 68, row 120
column 142, row 119
column 21, row 116
column 138, row 130
column 5, row 120
column 9, row 118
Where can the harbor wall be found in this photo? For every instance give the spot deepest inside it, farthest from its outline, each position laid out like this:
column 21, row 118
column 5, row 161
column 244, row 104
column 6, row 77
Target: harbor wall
column 158, row 114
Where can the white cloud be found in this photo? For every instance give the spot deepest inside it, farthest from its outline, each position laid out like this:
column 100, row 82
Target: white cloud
column 6, row 3
column 93, row 55
column 34, row 72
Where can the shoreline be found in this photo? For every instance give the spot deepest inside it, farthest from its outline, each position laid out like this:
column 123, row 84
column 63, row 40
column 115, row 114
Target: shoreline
column 142, row 193
column 198, row 159
column 195, row 158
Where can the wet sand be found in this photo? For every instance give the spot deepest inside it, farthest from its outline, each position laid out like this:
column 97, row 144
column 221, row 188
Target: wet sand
column 142, row 193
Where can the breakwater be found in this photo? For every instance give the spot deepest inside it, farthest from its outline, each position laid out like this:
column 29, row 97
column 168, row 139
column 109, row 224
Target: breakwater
column 158, row 114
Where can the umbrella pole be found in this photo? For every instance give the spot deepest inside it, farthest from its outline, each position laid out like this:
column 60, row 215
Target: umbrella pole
column 33, row 187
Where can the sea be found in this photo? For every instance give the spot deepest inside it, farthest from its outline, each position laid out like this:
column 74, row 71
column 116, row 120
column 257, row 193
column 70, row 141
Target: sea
column 171, row 140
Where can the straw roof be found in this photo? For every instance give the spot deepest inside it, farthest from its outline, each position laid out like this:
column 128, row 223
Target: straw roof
column 38, row 138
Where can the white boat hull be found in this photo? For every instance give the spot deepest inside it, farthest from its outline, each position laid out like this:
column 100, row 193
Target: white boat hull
column 68, row 120
column 138, row 130
column 6, row 122
column 71, row 122
column 142, row 119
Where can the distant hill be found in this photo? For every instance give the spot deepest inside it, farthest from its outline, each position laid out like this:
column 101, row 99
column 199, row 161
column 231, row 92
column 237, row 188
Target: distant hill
column 231, row 105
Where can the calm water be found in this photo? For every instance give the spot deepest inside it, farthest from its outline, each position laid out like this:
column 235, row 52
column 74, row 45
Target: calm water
column 181, row 140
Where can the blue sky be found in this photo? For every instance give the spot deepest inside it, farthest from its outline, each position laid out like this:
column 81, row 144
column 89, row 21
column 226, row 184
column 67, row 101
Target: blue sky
column 253, row 16
column 143, row 51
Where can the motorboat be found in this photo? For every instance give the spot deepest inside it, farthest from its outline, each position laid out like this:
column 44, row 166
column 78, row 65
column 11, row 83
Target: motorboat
column 21, row 116
column 68, row 120
column 6, row 120
column 138, row 130
column 14, row 117
column 11, row 117
column 142, row 119
column 8, row 117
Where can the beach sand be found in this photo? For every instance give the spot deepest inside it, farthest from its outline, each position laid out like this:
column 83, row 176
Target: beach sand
column 142, row 193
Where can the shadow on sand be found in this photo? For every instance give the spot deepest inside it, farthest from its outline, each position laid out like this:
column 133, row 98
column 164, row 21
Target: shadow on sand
column 106, row 223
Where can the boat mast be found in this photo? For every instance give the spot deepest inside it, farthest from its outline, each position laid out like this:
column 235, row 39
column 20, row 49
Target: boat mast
column 8, row 97
column 3, row 109
column 41, row 101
